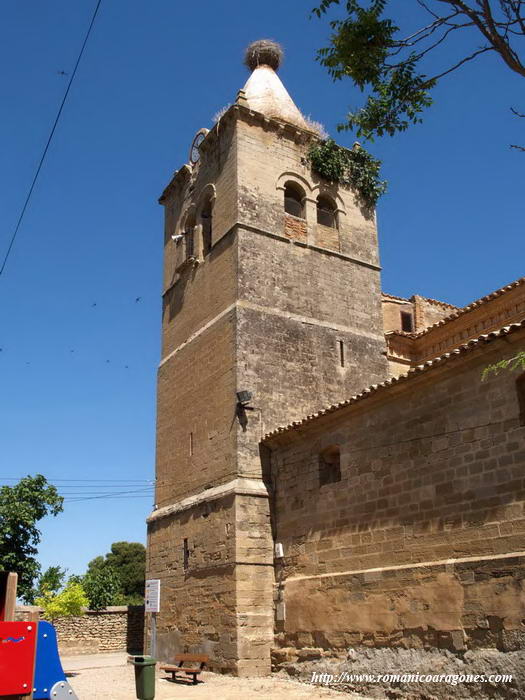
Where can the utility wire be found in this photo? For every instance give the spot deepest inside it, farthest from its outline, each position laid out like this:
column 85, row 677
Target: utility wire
column 131, row 482
column 108, row 495
column 50, row 138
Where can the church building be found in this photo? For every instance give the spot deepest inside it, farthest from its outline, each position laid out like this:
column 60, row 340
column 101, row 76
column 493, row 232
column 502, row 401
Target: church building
column 331, row 469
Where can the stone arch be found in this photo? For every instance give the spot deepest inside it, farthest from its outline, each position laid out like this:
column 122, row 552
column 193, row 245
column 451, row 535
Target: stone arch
column 332, row 193
column 205, row 207
column 208, row 194
column 300, row 181
column 327, row 211
column 294, row 200
column 186, row 228
column 189, row 213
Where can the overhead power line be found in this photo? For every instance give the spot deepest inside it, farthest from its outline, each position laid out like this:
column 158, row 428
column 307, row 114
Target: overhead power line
column 50, row 138
column 131, row 482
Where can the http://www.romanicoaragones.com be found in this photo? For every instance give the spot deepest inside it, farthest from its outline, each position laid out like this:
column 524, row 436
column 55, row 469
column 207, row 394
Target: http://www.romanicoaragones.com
column 448, row 678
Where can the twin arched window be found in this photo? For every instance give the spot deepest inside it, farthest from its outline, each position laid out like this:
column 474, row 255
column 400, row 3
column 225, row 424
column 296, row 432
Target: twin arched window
column 192, row 247
column 294, row 204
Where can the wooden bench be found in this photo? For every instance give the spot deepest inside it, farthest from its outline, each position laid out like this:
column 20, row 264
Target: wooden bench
column 186, row 663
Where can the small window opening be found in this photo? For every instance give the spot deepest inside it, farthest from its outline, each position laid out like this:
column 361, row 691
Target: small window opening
column 341, row 353
column 326, row 212
column 329, row 465
column 293, row 201
column 191, row 444
column 189, row 236
column 186, row 553
column 206, row 218
column 520, row 388
column 407, row 322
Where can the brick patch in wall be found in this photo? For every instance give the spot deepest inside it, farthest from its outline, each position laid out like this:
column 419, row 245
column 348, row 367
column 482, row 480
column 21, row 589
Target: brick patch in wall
column 294, row 228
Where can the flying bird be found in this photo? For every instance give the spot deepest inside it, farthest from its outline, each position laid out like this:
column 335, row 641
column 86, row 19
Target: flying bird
column 62, row 72
column 94, row 304
column 138, row 299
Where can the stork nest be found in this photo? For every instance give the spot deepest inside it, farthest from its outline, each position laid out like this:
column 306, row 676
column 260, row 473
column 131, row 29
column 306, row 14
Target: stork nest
column 263, row 52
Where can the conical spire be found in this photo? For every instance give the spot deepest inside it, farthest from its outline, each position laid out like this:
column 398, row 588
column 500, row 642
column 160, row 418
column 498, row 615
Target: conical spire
column 264, row 91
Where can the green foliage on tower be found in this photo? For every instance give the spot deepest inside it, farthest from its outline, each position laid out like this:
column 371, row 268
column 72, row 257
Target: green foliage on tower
column 356, row 168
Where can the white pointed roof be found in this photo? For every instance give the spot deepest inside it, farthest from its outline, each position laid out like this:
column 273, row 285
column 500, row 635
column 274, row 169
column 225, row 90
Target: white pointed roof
column 266, row 94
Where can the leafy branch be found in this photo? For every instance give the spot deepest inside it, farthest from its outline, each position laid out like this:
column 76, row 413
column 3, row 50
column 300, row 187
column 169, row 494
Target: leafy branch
column 371, row 49
column 512, row 364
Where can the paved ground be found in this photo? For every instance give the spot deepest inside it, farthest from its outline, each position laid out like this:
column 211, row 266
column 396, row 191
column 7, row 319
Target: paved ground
column 110, row 677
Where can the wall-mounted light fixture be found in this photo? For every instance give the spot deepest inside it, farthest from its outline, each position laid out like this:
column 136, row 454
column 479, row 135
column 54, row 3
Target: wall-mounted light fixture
column 244, row 398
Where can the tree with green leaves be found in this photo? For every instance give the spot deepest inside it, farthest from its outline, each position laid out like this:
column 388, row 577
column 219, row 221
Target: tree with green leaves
column 129, row 560
column 51, row 581
column 21, row 507
column 369, row 47
column 102, row 587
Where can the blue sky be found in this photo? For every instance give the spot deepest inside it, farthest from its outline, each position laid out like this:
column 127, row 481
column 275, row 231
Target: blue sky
column 78, row 380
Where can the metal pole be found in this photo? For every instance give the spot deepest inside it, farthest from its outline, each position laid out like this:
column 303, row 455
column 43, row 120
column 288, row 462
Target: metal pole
column 153, row 640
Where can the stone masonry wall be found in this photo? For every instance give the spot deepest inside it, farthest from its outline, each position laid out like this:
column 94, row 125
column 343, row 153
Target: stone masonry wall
column 119, row 628
column 197, row 589
column 423, row 537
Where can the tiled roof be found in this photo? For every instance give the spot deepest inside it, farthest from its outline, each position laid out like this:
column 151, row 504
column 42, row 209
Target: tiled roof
column 405, row 334
column 391, row 296
column 474, row 304
column 430, row 301
column 437, row 302
column 425, row 367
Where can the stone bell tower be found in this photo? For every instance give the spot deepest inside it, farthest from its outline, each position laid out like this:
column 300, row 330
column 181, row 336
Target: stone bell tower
column 271, row 310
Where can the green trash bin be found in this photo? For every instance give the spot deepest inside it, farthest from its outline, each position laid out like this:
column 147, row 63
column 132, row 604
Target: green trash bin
column 145, row 677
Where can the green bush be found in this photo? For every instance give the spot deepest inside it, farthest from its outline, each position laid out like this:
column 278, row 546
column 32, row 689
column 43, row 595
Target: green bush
column 71, row 601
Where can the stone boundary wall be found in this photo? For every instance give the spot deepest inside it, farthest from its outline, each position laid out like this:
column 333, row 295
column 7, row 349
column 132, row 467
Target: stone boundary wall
column 118, row 628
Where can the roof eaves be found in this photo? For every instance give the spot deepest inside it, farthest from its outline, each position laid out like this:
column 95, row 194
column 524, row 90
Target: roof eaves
column 473, row 305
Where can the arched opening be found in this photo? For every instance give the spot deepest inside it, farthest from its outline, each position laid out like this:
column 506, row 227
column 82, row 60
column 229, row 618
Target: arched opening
column 189, row 236
column 326, row 212
column 329, row 465
column 294, row 200
column 207, row 227
column 520, row 388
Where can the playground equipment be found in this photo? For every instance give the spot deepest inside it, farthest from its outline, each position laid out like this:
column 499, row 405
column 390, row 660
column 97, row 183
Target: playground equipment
column 30, row 667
